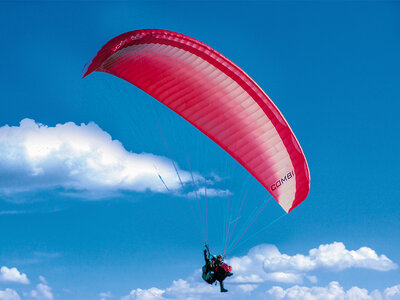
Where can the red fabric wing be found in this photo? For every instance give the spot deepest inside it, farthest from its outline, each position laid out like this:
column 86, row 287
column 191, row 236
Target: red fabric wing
column 218, row 98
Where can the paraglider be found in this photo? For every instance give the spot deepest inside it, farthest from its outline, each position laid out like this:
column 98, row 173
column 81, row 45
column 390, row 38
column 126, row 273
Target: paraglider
column 219, row 99
column 215, row 269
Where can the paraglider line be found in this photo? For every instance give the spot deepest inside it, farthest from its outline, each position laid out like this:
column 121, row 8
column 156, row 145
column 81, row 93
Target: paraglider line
column 205, row 196
column 159, row 176
column 169, row 152
column 250, row 224
column 177, row 173
column 183, row 212
column 237, row 217
column 226, row 226
column 262, row 229
column 198, row 202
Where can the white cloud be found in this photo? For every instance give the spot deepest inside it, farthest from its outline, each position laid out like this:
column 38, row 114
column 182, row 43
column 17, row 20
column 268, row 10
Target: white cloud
column 79, row 158
column 331, row 292
column 312, row 279
column 247, row 288
column 42, row 292
column 249, row 268
column 105, row 295
column 333, row 256
column 254, row 278
column 266, row 263
column 9, row 294
column 42, row 279
column 189, row 289
column 13, row 275
column 209, row 192
column 392, row 293
column 150, row 294
column 251, row 275
column 193, row 289
column 284, row 277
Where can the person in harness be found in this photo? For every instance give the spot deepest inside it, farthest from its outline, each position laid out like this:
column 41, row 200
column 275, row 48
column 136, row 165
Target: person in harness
column 215, row 269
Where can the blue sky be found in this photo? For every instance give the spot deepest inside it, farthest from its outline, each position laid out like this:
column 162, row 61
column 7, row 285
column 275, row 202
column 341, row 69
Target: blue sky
column 330, row 67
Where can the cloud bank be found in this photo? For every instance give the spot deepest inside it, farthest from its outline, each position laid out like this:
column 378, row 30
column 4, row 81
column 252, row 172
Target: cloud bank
column 81, row 158
column 332, row 291
column 263, row 264
column 255, row 277
column 180, row 289
column 266, row 263
column 333, row 256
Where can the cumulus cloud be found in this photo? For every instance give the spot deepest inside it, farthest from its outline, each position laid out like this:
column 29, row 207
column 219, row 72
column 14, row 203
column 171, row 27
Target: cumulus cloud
column 312, row 279
column 9, row 294
column 192, row 288
column 392, row 293
column 42, row 292
column 252, row 273
column 13, row 275
column 332, row 291
column 247, row 288
column 80, row 158
column 283, row 277
column 149, row 294
column 189, row 289
column 333, row 256
column 249, row 269
column 266, row 263
column 105, row 295
column 180, row 289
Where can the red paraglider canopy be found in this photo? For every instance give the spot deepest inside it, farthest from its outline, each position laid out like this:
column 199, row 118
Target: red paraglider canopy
column 218, row 98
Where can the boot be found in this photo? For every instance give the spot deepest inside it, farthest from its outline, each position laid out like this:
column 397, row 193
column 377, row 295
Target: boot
column 223, row 290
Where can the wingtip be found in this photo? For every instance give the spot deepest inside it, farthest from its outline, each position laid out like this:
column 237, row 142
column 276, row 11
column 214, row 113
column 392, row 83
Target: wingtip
column 85, row 71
